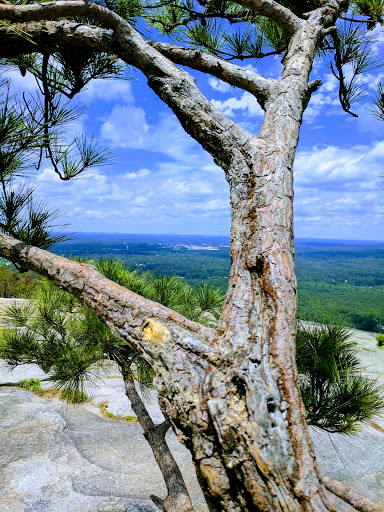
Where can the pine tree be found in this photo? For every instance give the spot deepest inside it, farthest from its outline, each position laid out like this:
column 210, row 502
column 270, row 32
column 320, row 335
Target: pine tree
column 239, row 382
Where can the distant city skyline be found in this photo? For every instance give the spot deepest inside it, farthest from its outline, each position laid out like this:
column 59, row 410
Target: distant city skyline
column 348, row 241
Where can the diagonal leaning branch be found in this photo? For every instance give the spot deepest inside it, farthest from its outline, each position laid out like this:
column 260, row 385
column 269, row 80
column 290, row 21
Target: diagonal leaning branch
column 177, row 88
column 258, row 85
column 283, row 16
column 150, row 328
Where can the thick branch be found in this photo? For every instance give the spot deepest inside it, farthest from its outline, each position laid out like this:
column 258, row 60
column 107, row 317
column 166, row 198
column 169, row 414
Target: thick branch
column 63, row 8
column 58, row 9
column 237, row 76
column 356, row 500
column 152, row 329
column 212, row 129
column 39, row 36
column 277, row 12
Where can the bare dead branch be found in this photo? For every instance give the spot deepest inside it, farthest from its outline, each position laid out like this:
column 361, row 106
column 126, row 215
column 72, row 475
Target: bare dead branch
column 178, row 499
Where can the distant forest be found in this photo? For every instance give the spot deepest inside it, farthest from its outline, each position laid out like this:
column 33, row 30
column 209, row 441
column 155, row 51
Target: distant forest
column 338, row 281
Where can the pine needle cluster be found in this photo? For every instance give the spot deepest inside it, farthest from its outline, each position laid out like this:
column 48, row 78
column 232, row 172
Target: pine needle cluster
column 65, row 339
column 336, row 394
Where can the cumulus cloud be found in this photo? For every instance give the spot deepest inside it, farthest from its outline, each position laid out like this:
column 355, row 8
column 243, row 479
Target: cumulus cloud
column 334, row 167
column 127, row 127
column 19, row 82
column 107, row 90
column 141, row 173
column 219, row 85
column 247, row 104
column 338, row 192
column 324, row 101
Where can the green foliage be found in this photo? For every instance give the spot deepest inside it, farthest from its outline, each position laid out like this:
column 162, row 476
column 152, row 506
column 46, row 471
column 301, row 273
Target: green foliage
column 231, row 31
column 377, row 108
column 33, row 128
column 127, row 9
column 14, row 284
column 337, row 397
column 208, row 36
column 380, row 340
column 337, row 282
column 21, row 137
column 366, row 322
column 273, row 35
column 353, row 55
column 67, row 339
column 373, row 10
column 75, row 397
column 54, row 331
column 201, row 303
column 33, row 385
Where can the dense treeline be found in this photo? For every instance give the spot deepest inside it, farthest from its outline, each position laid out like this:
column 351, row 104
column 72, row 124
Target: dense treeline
column 338, row 283
column 14, row 284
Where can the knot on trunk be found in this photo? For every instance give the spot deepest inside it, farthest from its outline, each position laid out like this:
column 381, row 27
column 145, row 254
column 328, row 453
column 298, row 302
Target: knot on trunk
column 256, row 264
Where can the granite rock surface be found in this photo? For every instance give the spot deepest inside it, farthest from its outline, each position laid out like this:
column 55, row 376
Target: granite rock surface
column 60, row 458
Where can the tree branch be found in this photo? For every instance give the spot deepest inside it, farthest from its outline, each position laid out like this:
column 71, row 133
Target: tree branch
column 232, row 74
column 152, row 329
column 356, row 500
column 283, row 16
column 178, row 499
column 79, row 8
column 174, row 86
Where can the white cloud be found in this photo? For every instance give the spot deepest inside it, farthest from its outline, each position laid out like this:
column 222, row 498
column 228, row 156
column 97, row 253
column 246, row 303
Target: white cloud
column 141, row 173
column 219, row 85
column 338, row 192
column 95, row 214
column 48, row 176
column 21, row 83
column 107, row 90
column 324, row 101
column 330, row 83
column 126, row 127
column 247, row 104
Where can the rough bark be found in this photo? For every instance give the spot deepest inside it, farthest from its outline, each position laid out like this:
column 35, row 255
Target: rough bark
column 231, row 395
column 178, row 499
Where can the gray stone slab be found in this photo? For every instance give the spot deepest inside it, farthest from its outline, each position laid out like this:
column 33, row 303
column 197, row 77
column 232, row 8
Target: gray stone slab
column 58, row 458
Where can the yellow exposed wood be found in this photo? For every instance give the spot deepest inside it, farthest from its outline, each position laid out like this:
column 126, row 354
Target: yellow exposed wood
column 155, row 332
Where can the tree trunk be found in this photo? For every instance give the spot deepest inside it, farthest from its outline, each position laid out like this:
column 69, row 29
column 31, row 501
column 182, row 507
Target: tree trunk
column 178, row 499
column 231, row 395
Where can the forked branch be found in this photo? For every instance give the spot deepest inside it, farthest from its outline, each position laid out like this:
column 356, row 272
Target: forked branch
column 232, row 74
column 174, row 86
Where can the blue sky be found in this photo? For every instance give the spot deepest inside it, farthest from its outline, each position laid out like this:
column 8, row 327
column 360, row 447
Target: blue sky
column 163, row 182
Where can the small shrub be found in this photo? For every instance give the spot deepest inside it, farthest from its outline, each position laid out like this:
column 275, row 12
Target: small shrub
column 380, row 340
column 74, row 396
column 104, row 411
column 32, row 385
